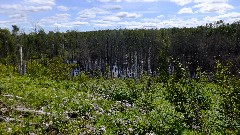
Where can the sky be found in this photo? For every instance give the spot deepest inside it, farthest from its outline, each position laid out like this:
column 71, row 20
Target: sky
column 90, row 15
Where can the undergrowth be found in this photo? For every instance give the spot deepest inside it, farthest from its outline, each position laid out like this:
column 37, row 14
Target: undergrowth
column 180, row 105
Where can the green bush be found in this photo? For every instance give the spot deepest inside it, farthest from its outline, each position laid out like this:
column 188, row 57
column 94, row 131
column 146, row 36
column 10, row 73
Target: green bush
column 81, row 78
column 229, row 89
column 191, row 99
column 164, row 119
column 50, row 68
column 179, row 105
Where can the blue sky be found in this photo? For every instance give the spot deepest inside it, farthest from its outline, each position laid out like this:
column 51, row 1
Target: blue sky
column 88, row 15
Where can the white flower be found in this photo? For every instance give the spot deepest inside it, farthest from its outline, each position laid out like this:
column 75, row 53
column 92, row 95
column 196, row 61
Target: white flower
column 103, row 129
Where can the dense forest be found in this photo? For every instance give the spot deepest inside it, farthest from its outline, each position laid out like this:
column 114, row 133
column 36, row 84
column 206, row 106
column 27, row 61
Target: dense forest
column 186, row 81
column 148, row 50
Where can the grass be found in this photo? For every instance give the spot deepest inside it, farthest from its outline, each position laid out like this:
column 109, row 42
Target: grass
column 113, row 106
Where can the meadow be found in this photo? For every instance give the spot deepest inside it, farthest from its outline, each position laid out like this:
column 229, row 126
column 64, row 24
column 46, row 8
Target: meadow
column 33, row 104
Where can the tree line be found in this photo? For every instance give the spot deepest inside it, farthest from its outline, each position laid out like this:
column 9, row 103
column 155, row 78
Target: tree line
column 148, row 50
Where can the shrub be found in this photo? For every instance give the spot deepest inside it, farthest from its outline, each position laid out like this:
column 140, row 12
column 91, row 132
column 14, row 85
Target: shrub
column 50, row 68
column 191, row 99
column 81, row 78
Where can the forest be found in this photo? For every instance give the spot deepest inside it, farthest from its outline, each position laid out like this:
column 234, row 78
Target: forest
column 147, row 50
column 186, row 81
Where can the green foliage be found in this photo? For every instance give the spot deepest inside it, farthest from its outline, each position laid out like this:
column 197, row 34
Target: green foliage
column 49, row 101
column 81, row 78
column 193, row 47
column 164, row 119
column 7, row 47
column 222, row 74
column 117, row 106
column 122, row 94
column 7, row 70
column 97, row 74
column 194, row 101
column 180, row 72
column 164, row 50
column 36, row 69
column 230, row 96
column 53, row 68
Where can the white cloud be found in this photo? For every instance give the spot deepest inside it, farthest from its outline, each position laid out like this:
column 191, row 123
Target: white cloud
column 130, row 0
column 175, row 22
column 185, row 11
column 157, row 23
column 228, row 17
column 10, row 7
column 60, row 21
column 17, row 12
column 110, row 0
column 155, row 20
column 205, row 6
column 142, row 0
column 4, row 24
column 99, row 22
column 210, row 1
column 86, row 15
column 111, row 18
column 69, row 24
column 160, row 16
column 91, row 13
column 128, row 15
column 77, row 23
column 37, row 9
column 139, row 25
column 116, row 17
column 17, row 16
column 110, row 14
column 62, row 8
column 211, row 19
column 112, row 7
column 13, row 19
column 17, row 8
column 179, row 22
column 58, row 18
column 182, row 2
column 27, row 6
column 212, row 6
column 103, row 23
column 41, row 2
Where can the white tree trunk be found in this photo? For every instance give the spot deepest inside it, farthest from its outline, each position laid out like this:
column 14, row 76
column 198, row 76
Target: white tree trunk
column 21, row 60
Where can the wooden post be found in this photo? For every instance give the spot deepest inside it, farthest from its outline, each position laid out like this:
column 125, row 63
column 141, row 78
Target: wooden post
column 149, row 61
column 135, row 65
column 22, row 65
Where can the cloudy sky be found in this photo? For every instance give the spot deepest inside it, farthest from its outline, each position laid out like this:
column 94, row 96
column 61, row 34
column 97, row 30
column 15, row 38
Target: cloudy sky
column 87, row 15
